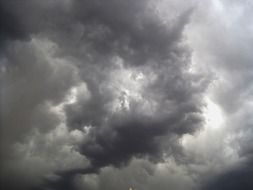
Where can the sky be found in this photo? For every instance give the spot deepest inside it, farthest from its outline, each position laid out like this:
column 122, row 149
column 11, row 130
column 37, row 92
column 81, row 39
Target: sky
column 126, row 94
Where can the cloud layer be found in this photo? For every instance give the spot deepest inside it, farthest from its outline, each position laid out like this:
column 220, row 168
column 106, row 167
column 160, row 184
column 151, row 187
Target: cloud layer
column 113, row 94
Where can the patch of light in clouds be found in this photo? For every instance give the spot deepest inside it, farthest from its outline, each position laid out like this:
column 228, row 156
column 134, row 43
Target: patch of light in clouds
column 213, row 114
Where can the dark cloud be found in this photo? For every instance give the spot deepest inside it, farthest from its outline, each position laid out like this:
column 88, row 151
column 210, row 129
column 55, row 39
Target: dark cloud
column 138, row 41
column 127, row 68
column 132, row 31
column 239, row 177
column 10, row 26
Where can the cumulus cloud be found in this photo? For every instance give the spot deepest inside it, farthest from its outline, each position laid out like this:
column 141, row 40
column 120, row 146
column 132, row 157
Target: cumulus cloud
column 118, row 94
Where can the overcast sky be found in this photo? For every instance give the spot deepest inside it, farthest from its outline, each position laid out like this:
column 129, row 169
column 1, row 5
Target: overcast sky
column 120, row 94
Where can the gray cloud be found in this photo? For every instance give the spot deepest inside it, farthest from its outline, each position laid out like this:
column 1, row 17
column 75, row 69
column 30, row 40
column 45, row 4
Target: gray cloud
column 236, row 178
column 106, row 83
column 31, row 82
column 116, row 137
column 133, row 37
column 227, row 55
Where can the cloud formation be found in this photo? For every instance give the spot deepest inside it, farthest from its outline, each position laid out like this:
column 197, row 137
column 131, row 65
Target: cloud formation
column 90, row 89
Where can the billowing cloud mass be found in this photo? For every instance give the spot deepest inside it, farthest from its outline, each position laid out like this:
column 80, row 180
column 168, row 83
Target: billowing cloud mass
column 123, row 94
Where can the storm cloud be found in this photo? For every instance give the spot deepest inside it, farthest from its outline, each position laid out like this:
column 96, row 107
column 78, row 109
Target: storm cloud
column 141, row 89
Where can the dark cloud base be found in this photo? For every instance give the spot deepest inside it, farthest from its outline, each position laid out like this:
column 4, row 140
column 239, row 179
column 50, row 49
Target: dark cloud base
column 237, row 178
